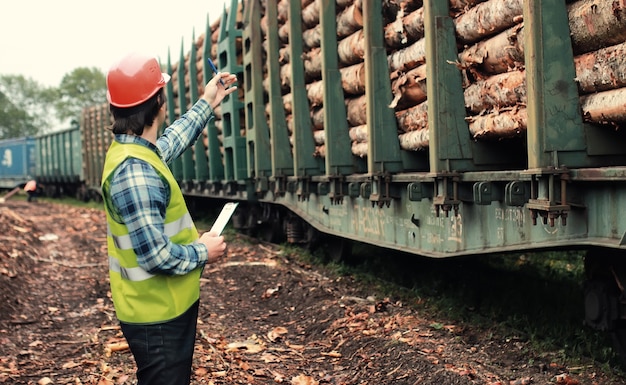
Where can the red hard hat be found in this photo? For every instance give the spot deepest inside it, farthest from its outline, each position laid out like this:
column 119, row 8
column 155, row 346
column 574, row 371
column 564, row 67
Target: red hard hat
column 134, row 79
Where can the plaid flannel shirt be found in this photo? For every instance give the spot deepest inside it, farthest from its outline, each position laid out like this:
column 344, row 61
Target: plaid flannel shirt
column 140, row 197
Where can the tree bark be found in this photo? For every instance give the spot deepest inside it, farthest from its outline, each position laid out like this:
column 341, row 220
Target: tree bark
column 311, row 14
column 409, row 88
column 320, row 151
column 488, row 18
column 414, row 140
column 319, row 137
column 356, row 110
column 414, row 118
column 341, row 4
column 360, row 149
column 317, row 118
column 289, row 121
column 463, row 5
column 282, row 10
column 350, row 20
column 359, row 134
column 285, row 78
column 351, row 50
column 315, row 93
column 409, row 57
column 312, row 37
column 499, row 54
column 353, row 79
column 502, row 90
column 605, row 107
column 509, row 123
column 596, row 23
column 312, row 65
column 601, row 70
column 405, row 30
column 283, row 34
column 288, row 103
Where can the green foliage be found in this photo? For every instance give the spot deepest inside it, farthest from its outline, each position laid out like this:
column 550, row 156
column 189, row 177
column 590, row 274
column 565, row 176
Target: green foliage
column 28, row 108
column 83, row 87
column 25, row 106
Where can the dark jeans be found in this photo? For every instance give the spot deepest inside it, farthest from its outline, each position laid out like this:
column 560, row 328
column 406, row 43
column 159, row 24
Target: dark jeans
column 164, row 352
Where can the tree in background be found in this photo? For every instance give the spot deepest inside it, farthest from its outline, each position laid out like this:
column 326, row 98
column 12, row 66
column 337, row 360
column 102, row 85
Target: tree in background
column 28, row 108
column 83, row 87
column 25, row 106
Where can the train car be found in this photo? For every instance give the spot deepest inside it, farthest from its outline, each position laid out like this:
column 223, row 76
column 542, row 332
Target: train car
column 95, row 138
column 439, row 128
column 59, row 162
column 17, row 162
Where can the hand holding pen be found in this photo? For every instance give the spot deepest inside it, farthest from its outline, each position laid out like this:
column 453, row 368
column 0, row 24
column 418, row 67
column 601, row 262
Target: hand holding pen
column 213, row 93
column 214, row 68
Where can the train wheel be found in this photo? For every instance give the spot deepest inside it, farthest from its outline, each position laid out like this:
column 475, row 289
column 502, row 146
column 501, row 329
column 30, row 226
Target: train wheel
column 605, row 297
column 271, row 227
column 269, row 232
column 339, row 249
column 618, row 336
column 311, row 237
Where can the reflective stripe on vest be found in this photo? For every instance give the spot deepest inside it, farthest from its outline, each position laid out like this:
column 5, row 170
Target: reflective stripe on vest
column 130, row 273
column 123, row 242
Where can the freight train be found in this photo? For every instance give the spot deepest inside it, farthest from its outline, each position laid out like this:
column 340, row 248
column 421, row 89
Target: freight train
column 438, row 128
column 17, row 162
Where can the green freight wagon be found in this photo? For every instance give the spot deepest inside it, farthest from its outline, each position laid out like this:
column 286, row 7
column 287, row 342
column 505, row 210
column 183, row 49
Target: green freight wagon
column 59, row 162
column 439, row 128
column 17, row 162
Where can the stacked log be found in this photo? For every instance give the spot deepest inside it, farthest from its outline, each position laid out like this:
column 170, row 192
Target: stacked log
column 404, row 38
column 493, row 64
column 349, row 21
column 490, row 37
column 598, row 34
column 96, row 138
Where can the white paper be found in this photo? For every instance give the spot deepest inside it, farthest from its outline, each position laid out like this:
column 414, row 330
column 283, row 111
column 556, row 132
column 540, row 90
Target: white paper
column 224, row 217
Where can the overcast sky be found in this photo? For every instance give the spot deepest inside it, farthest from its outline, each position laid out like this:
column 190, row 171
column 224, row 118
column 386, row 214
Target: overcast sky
column 46, row 39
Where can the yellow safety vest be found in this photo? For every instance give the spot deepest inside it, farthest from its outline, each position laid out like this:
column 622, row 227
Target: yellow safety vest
column 140, row 297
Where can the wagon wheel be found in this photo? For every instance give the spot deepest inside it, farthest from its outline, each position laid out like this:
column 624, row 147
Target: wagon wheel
column 271, row 227
column 270, row 231
column 605, row 297
column 339, row 249
column 618, row 337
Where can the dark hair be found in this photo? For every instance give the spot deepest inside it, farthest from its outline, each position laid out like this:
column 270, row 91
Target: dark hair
column 134, row 119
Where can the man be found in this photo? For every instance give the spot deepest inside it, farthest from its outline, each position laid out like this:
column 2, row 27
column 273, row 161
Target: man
column 156, row 256
column 31, row 189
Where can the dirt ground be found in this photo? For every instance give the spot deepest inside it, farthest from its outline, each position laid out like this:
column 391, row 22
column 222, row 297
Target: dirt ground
column 265, row 318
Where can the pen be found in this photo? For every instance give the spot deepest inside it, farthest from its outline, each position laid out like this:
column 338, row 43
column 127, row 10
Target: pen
column 214, row 69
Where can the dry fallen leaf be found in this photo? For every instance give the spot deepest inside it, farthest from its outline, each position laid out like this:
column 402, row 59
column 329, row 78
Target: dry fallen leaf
column 115, row 347
column 295, row 347
column 245, row 346
column 276, row 333
column 70, row 365
column 303, row 380
column 201, row 372
column 333, row 354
